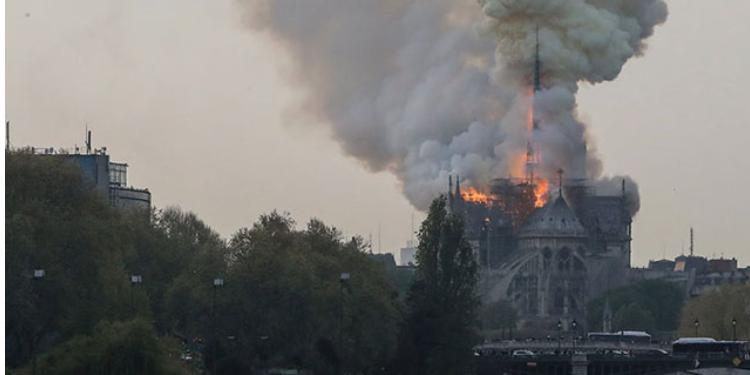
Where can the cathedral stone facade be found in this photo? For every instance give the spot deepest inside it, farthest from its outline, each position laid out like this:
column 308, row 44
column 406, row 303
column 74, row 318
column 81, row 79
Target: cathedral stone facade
column 547, row 262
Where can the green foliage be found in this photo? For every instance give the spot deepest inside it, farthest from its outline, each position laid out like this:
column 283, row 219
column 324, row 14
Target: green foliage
column 179, row 256
column 403, row 278
column 119, row 348
column 442, row 302
column 284, row 302
column 56, row 222
column 633, row 317
column 656, row 302
column 715, row 311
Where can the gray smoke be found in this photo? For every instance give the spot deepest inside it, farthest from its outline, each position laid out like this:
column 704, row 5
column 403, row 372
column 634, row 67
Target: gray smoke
column 418, row 88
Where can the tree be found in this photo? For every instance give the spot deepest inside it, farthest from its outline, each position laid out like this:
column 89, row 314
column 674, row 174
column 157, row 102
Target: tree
column 661, row 300
column 119, row 348
column 633, row 317
column 285, row 306
column 57, row 222
column 715, row 311
column 442, row 302
column 179, row 255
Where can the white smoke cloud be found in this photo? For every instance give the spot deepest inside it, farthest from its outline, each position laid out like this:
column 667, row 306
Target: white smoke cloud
column 416, row 88
column 579, row 40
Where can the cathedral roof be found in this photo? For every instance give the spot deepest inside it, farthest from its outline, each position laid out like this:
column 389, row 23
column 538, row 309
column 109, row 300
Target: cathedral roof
column 555, row 219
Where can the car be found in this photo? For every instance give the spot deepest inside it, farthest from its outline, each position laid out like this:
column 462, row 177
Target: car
column 523, row 353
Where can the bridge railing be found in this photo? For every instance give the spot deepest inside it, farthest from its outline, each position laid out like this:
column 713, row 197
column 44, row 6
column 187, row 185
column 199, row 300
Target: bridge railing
column 569, row 344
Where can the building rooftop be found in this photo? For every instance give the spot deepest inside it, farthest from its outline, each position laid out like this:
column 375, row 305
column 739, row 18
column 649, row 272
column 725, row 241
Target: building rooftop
column 555, row 219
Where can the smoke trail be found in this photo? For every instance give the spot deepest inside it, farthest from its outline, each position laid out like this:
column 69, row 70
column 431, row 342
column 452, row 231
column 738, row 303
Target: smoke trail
column 414, row 88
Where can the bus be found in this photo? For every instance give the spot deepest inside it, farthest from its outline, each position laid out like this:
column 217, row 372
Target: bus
column 631, row 337
column 709, row 346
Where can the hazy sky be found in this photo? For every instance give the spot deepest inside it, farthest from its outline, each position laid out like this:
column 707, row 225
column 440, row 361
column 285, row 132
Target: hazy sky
column 197, row 104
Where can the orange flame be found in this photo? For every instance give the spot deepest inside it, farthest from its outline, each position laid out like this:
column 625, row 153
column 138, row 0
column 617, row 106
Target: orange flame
column 541, row 192
column 473, row 195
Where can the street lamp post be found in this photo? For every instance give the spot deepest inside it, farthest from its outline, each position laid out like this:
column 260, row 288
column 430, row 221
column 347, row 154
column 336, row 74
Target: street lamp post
column 697, row 324
column 343, row 279
column 134, row 281
column 37, row 276
column 218, row 283
column 574, row 324
column 734, row 329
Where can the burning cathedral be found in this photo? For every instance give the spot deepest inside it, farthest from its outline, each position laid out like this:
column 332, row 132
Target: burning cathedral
column 546, row 257
column 442, row 92
column 545, row 247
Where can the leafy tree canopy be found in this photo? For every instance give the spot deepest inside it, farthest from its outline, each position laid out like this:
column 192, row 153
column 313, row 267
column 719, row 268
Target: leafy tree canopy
column 282, row 303
column 119, row 348
column 659, row 299
column 715, row 311
column 442, row 302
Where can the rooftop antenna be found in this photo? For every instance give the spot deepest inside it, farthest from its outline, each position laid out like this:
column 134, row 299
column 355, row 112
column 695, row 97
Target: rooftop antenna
column 88, row 139
column 691, row 242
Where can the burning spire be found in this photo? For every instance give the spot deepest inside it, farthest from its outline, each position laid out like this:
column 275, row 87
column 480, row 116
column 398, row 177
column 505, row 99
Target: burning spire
column 532, row 157
column 537, row 66
column 531, row 161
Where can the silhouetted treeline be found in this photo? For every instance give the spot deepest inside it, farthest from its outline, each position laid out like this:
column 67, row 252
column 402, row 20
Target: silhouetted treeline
column 272, row 295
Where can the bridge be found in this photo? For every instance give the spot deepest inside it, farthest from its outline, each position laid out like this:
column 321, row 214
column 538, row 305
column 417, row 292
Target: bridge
column 599, row 358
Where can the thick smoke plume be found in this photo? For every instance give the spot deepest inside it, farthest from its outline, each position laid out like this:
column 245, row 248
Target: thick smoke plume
column 429, row 88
